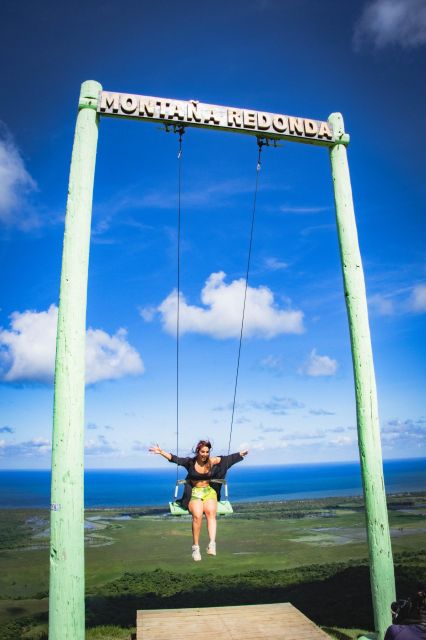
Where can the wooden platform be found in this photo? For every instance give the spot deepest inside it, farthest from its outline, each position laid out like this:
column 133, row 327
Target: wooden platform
column 251, row 622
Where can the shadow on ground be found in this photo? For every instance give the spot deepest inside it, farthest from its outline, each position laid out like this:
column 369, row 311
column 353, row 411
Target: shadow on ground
column 341, row 600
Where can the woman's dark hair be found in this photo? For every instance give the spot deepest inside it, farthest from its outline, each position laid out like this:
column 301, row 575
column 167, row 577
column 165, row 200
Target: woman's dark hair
column 201, row 444
column 412, row 610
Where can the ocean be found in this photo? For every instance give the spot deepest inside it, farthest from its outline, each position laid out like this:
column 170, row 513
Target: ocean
column 149, row 487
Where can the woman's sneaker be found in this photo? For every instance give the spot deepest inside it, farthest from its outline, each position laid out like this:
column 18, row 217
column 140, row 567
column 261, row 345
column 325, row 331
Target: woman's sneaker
column 211, row 549
column 196, row 555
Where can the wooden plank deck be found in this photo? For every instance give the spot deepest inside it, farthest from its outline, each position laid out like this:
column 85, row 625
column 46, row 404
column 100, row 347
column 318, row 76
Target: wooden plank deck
column 251, row 622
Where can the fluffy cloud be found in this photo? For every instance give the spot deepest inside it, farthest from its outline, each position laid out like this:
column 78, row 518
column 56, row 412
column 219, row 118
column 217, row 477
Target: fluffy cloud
column 220, row 317
column 271, row 429
column 382, row 305
column 277, row 405
column 405, row 300
column 418, row 298
column 27, row 350
column 35, row 447
column 110, row 357
column 341, row 441
column 100, row 446
column 321, row 412
column 298, row 210
column 7, row 429
column 15, row 183
column 399, row 432
column 318, row 438
column 271, row 363
column 392, row 22
column 273, row 264
column 317, row 365
column 140, row 446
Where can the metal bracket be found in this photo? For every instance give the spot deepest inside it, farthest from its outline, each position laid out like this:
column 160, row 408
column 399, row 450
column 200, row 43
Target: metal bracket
column 344, row 138
column 174, row 128
column 267, row 142
column 88, row 103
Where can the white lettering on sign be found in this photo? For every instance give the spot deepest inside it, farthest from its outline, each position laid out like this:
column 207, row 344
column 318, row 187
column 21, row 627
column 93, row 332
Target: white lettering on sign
column 194, row 113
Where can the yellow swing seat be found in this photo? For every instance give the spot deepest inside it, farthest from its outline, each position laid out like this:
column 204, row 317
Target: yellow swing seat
column 224, row 507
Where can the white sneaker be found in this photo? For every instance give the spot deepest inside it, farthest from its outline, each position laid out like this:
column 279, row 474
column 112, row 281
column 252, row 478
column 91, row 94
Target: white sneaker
column 211, row 549
column 196, row 555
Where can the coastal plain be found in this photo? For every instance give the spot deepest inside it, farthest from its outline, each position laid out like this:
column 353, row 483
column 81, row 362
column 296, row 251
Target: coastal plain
column 312, row 553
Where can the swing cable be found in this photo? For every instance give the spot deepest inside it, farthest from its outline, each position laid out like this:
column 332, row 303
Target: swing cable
column 260, row 144
column 180, row 131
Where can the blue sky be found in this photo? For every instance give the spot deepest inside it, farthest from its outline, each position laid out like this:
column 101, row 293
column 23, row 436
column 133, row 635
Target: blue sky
column 295, row 398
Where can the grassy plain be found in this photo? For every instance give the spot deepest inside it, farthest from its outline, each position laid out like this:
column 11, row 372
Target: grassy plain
column 312, row 553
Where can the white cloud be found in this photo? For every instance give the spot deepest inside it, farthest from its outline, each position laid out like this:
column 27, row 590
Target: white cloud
column 341, row 441
column 140, row 446
column 99, row 446
column 408, row 299
column 35, row 447
column 382, row 305
column 418, row 298
column 314, row 229
column 277, row 405
column 221, row 315
column 392, row 22
column 27, row 350
column 273, row 264
column 301, row 210
column 271, row 363
column 110, row 357
column 321, row 412
column 15, row 184
column 317, row 365
column 7, row 429
column 402, row 432
column 207, row 196
column 148, row 313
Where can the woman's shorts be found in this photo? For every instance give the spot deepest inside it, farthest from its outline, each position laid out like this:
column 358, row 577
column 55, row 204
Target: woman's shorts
column 203, row 493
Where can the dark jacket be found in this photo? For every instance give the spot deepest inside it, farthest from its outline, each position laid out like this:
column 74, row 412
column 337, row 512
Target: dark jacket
column 218, row 471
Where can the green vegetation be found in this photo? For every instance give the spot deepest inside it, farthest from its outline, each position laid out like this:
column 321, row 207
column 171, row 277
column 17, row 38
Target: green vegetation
column 312, row 553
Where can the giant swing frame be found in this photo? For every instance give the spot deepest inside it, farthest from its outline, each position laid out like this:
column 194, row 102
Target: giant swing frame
column 66, row 600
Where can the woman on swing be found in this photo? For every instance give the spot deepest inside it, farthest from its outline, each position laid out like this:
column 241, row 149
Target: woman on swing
column 201, row 493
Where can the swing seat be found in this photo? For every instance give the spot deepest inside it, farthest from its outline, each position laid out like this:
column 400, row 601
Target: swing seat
column 224, row 508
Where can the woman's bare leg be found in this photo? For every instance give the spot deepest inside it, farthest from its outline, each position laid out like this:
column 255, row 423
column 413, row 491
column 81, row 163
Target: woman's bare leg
column 210, row 508
column 196, row 509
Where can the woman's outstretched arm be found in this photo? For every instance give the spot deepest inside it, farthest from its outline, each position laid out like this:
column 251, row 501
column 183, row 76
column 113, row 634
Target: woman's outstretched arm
column 218, row 459
column 157, row 449
column 183, row 462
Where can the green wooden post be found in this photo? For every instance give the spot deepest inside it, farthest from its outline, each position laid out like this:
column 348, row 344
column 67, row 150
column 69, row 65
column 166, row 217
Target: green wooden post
column 66, row 598
column 380, row 550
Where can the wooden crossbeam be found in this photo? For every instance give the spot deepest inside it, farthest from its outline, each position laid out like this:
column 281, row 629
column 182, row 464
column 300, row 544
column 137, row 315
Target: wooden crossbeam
column 279, row 621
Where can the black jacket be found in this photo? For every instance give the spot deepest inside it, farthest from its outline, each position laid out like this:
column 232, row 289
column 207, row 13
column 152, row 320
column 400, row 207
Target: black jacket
column 218, row 471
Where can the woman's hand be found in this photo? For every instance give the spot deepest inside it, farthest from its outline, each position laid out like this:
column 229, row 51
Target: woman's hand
column 155, row 449
column 243, row 453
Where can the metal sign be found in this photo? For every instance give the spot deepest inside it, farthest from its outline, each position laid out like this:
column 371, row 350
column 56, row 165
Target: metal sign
column 196, row 114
